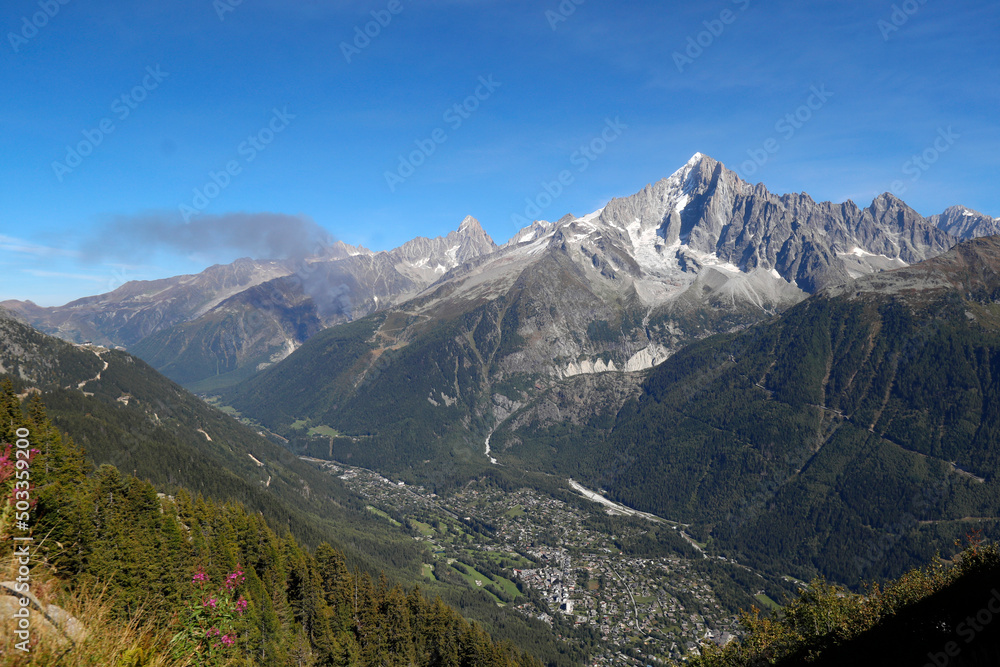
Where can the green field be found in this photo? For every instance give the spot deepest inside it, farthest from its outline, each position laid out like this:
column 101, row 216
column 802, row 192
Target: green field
column 767, row 602
column 425, row 528
column 507, row 586
column 382, row 514
column 504, row 584
column 473, row 575
column 499, row 557
column 215, row 403
column 324, row 431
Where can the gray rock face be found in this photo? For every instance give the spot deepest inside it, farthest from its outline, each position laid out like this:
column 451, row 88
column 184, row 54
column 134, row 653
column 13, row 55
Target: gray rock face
column 965, row 223
column 48, row 619
column 707, row 209
column 426, row 260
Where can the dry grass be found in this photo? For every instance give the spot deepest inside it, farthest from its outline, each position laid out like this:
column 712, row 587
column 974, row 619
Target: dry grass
column 109, row 642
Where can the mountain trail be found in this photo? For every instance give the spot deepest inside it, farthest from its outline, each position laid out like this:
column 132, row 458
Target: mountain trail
column 97, row 377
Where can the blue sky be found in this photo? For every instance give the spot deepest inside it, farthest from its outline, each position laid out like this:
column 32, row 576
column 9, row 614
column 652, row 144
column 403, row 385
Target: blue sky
column 308, row 127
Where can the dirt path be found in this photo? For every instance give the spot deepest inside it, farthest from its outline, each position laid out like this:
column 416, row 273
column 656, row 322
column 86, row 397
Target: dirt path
column 98, row 376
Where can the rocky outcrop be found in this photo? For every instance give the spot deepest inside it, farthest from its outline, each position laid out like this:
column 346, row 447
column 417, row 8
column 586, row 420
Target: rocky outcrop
column 42, row 619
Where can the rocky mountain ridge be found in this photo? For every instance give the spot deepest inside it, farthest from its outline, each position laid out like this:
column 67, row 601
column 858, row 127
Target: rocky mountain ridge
column 232, row 321
column 965, row 223
column 701, row 246
column 698, row 252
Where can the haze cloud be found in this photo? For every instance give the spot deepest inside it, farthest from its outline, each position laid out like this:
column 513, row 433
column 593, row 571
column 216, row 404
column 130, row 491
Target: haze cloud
column 257, row 235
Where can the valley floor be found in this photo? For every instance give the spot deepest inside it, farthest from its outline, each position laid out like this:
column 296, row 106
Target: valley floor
column 558, row 562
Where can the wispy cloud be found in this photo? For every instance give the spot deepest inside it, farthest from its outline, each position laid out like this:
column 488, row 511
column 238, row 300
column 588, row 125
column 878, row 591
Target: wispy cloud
column 69, row 276
column 26, row 247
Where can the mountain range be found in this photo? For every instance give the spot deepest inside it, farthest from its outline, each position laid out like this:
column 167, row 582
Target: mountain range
column 230, row 321
column 618, row 290
column 840, row 423
column 698, row 252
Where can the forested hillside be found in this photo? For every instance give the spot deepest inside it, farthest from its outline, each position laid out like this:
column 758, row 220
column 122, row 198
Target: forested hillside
column 211, row 583
column 390, row 400
column 124, row 413
column 941, row 614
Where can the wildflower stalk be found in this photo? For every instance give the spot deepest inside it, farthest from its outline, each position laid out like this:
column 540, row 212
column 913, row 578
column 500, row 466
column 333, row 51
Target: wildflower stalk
column 207, row 626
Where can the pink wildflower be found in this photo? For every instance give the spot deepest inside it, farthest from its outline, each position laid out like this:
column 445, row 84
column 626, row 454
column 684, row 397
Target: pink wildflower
column 212, row 603
column 235, row 579
column 6, row 465
column 199, row 576
column 227, row 640
column 241, row 605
